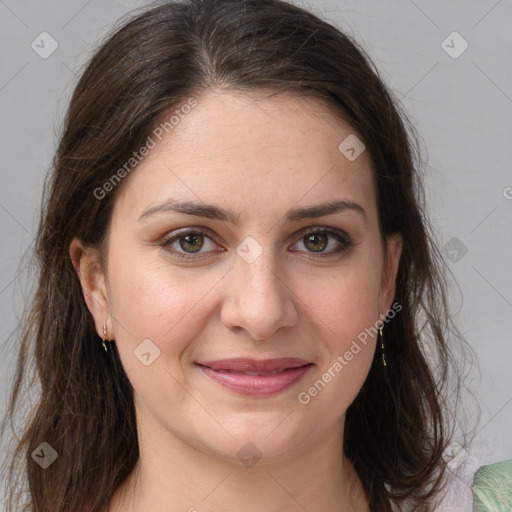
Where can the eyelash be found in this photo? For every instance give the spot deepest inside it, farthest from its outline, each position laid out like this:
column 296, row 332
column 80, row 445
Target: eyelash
column 344, row 241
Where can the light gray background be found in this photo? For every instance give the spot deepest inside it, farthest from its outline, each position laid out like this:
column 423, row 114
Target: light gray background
column 462, row 108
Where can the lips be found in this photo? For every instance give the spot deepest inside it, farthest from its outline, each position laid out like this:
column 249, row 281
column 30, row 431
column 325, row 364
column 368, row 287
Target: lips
column 256, row 378
column 245, row 365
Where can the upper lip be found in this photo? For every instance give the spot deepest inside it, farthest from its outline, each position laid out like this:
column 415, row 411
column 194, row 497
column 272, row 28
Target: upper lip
column 255, row 365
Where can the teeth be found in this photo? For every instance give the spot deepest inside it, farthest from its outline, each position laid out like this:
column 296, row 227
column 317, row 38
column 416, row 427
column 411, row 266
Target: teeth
column 273, row 372
column 261, row 373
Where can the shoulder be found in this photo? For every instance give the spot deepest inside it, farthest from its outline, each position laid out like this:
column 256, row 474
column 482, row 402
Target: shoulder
column 457, row 495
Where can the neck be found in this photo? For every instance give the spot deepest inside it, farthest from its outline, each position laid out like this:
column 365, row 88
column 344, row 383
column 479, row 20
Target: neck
column 172, row 475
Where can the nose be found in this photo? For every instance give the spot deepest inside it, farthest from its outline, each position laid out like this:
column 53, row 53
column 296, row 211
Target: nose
column 258, row 299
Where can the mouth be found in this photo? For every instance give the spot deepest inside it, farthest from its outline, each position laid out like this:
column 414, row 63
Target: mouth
column 253, row 377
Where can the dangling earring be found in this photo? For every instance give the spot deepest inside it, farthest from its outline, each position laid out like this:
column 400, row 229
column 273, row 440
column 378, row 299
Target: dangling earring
column 382, row 346
column 104, row 337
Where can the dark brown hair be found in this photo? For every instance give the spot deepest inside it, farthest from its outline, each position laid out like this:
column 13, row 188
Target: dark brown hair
column 396, row 429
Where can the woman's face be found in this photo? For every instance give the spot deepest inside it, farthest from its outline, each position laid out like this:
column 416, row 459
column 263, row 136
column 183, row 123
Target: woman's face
column 258, row 273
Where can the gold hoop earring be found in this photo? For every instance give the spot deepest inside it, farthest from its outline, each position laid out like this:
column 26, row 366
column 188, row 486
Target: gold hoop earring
column 382, row 346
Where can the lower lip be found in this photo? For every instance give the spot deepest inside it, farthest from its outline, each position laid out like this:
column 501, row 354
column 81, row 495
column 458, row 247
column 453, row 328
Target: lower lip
column 257, row 385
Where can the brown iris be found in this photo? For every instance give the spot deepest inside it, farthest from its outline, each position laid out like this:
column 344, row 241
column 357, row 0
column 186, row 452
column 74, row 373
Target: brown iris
column 192, row 242
column 316, row 242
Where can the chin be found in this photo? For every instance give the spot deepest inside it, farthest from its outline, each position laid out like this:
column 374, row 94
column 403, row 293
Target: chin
column 266, row 441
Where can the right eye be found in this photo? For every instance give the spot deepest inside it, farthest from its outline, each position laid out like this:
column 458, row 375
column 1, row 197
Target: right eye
column 188, row 242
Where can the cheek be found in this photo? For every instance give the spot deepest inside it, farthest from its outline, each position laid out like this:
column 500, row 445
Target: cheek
column 153, row 301
column 345, row 300
column 344, row 309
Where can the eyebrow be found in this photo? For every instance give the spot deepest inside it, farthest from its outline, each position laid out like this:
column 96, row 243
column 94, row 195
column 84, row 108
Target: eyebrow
column 215, row 212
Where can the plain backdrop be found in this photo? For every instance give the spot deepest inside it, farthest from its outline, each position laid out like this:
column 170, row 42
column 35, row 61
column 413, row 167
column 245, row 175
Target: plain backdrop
column 456, row 88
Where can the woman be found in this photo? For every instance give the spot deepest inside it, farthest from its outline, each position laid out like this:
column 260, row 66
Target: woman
column 238, row 287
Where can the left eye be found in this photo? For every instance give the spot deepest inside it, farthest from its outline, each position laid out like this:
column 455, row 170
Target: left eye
column 319, row 242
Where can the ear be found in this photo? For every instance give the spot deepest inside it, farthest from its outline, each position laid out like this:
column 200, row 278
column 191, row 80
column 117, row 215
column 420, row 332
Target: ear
column 87, row 265
column 394, row 244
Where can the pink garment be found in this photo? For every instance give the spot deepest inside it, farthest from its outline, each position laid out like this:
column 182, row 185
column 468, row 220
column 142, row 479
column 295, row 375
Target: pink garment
column 461, row 471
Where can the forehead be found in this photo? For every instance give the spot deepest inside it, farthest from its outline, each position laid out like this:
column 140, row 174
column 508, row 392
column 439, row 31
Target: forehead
column 257, row 155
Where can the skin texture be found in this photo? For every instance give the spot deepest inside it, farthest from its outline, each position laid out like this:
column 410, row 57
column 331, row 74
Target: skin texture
column 259, row 157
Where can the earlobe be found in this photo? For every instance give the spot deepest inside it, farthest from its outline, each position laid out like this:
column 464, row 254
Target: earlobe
column 394, row 245
column 86, row 264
